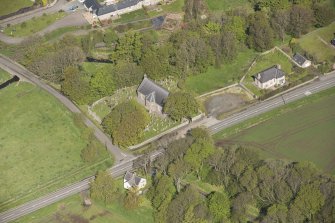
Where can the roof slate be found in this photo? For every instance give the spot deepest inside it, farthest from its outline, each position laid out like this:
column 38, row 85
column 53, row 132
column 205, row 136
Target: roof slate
column 269, row 74
column 299, row 59
column 150, row 89
column 93, row 4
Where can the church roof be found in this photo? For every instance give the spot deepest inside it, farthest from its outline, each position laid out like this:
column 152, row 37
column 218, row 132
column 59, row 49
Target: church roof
column 152, row 91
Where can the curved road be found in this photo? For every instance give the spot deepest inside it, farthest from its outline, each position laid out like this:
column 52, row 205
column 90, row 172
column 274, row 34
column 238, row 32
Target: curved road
column 16, row 69
column 323, row 83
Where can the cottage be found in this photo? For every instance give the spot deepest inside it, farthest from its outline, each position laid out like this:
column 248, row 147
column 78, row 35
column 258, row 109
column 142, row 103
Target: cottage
column 270, row 77
column 152, row 95
column 105, row 12
column 130, row 180
column 302, row 61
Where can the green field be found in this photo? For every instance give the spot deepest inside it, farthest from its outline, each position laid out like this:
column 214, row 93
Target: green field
column 216, row 78
column 312, row 43
column 40, row 145
column 9, row 6
column 132, row 16
column 33, row 25
column 224, row 5
column 96, row 213
column 303, row 130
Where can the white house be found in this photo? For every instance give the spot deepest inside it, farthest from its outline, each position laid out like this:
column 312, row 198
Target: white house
column 105, row 12
column 130, row 180
column 302, row 61
column 270, row 77
column 152, row 95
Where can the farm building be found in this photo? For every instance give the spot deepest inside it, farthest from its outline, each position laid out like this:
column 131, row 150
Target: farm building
column 270, row 77
column 302, row 61
column 152, row 95
column 130, row 180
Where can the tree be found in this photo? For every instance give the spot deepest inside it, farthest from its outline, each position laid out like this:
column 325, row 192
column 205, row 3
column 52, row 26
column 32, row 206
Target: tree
column 324, row 14
column 102, row 84
column 103, row 187
column 279, row 22
column 128, row 48
column 186, row 199
column 132, row 199
column 219, row 206
column 178, row 171
column 181, row 105
column 194, row 9
column 309, row 200
column 126, row 122
column 237, row 26
column 161, row 195
column 74, row 86
column 276, row 213
column 197, row 154
column 260, row 32
column 127, row 74
column 301, row 19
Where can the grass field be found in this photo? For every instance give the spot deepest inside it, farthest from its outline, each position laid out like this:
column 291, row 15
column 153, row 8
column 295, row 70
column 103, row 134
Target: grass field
column 224, row 5
column 9, row 6
column 33, row 25
column 313, row 44
column 265, row 61
column 97, row 213
column 40, row 145
column 303, row 130
column 216, row 78
column 4, row 76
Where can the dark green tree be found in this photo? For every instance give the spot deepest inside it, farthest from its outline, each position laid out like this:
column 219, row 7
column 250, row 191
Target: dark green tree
column 301, row 19
column 219, row 206
column 103, row 187
column 126, row 123
column 181, row 105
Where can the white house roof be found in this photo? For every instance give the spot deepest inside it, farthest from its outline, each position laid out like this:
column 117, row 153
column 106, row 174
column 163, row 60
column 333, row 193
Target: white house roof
column 132, row 179
column 153, row 91
column 269, row 74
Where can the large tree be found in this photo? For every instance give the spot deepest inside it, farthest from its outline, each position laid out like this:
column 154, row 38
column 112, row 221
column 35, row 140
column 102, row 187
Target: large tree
column 219, row 206
column 75, row 86
column 279, row 22
column 126, row 122
column 103, row 187
column 260, row 32
column 181, row 105
column 102, row 84
column 301, row 19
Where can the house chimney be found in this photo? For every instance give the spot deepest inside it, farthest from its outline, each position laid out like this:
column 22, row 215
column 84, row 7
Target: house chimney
column 145, row 75
column 279, row 66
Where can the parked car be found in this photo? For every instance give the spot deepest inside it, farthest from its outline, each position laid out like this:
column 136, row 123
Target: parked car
column 73, row 8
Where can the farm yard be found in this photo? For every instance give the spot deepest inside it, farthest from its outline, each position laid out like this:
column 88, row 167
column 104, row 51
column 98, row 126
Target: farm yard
column 317, row 43
column 303, row 130
column 40, row 144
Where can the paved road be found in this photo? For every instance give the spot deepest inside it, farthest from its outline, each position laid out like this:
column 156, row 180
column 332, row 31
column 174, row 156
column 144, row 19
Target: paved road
column 323, row 83
column 12, row 214
column 16, row 69
column 60, row 5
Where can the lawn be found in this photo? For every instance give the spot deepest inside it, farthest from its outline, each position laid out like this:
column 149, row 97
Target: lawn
column 40, row 145
column 216, row 78
column 266, row 61
column 9, row 6
column 320, row 50
column 132, row 16
column 33, row 25
column 96, row 213
column 224, row 5
column 174, row 7
column 303, row 130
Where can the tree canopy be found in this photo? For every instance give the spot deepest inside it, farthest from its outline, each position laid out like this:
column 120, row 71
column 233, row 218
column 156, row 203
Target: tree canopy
column 181, row 105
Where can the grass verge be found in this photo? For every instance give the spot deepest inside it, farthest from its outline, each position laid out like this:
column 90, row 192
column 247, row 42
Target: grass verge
column 33, row 25
column 9, row 6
